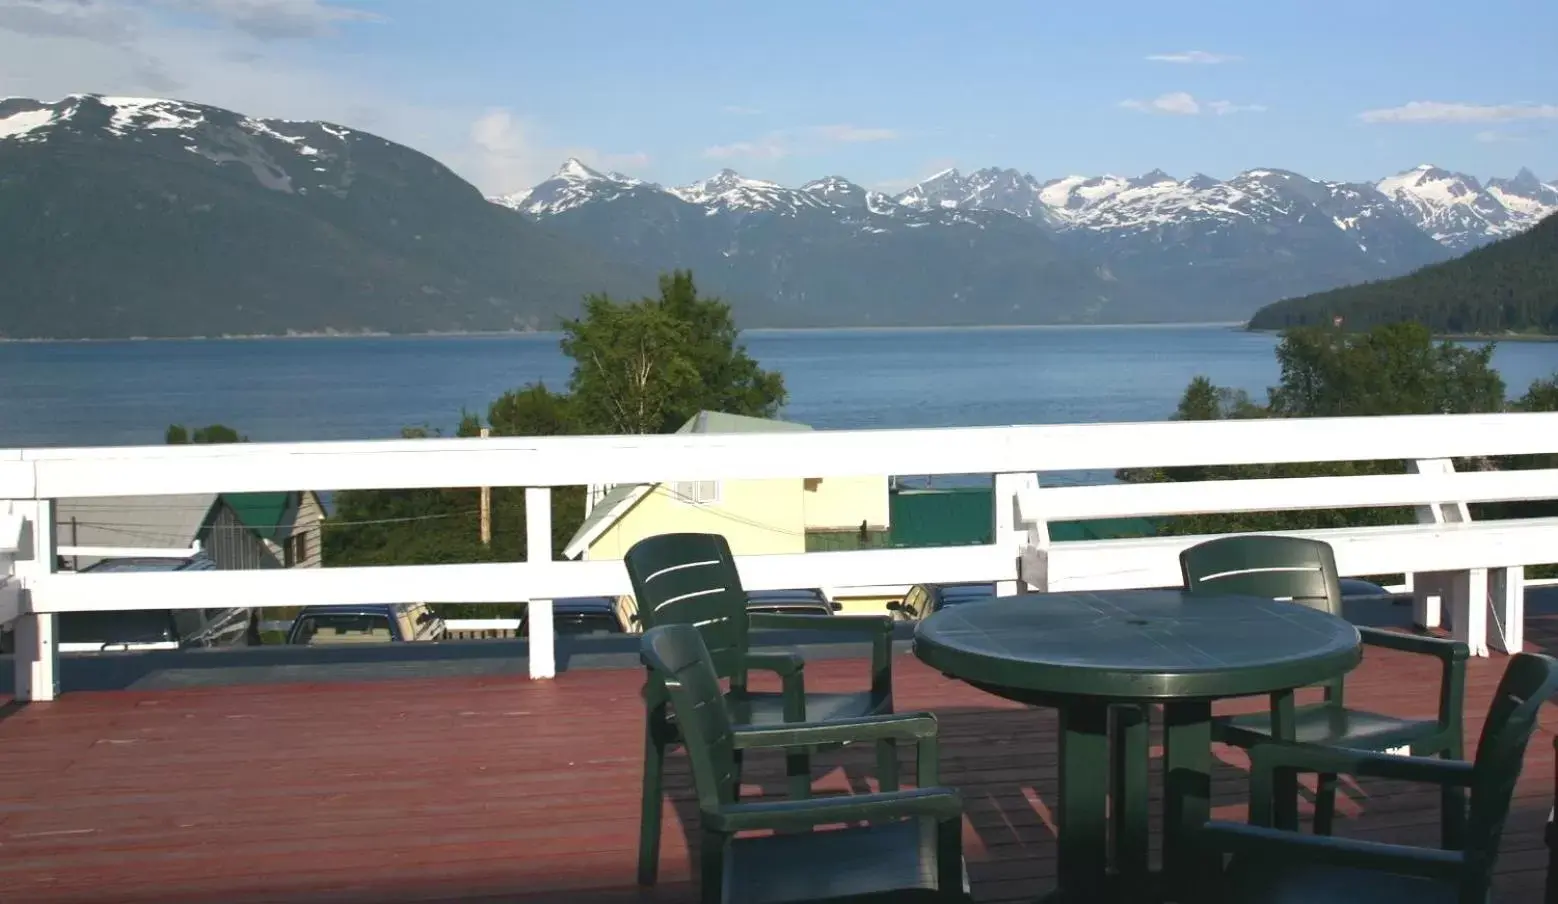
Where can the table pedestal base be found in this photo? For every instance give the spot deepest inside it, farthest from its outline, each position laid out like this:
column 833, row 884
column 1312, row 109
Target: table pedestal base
column 1102, row 820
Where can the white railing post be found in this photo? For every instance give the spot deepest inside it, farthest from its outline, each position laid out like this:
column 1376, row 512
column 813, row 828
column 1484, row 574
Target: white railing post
column 37, row 655
column 1030, row 530
column 538, row 613
column 1475, row 596
column 1507, row 600
column 1430, row 590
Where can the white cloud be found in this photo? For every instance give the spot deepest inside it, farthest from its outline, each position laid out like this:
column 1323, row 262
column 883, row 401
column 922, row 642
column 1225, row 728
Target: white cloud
column 1201, row 57
column 762, row 149
column 1493, row 136
column 274, row 19
column 243, row 55
column 1438, row 111
column 738, row 110
column 504, row 155
column 1223, row 107
column 791, row 142
column 854, row 134
column 1181, row 103
column 1178, row 103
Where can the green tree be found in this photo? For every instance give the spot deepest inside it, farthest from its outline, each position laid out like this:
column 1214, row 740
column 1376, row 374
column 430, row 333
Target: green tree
column 650, row 365
column 179, row 435
column 1325, row 372
column 639, row 367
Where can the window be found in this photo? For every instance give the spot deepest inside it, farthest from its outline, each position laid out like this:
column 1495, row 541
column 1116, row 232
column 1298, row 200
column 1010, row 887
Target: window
column 323, row 630
column 297, row 549
column 696, row 492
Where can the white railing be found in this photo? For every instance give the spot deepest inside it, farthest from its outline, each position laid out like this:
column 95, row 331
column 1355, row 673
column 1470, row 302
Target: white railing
column 32, row 592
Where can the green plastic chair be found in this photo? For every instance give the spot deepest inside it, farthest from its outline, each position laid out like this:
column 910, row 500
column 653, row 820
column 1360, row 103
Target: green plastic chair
column 909, row 848
column 1305, row 571
column 1272, row 866
column 1551, row 833
column 691, row 578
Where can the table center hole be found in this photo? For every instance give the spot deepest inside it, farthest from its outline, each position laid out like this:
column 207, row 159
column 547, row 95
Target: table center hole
column 1137, row 621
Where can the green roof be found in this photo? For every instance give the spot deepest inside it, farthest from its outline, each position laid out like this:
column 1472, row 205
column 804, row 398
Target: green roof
column 263, row 513
column 966, row 516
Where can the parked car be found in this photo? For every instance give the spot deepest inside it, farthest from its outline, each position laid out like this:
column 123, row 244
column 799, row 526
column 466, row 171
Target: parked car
column 924, row 599
column 583, row 615
column 1353, row 587
column 808, row 601
column 318, row 626
column 155, row 629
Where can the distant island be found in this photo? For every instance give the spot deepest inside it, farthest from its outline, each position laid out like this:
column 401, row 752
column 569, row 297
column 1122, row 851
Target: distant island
column 1507, row 290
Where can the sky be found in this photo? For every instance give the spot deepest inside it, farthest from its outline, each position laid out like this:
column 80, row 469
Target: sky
column 883, row 92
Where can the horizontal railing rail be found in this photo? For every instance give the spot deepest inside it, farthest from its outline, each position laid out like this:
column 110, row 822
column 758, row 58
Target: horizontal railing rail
column 31, row 479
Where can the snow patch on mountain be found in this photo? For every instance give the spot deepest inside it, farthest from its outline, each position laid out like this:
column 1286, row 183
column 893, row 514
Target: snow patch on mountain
column 22, row 122
column 573, row 185
column 1454, row 208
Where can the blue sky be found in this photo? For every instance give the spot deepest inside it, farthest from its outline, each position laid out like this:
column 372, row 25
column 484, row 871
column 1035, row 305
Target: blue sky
column 881, row 92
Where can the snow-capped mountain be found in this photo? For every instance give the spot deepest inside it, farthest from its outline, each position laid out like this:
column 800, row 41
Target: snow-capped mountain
column 986, row 189
column 1459, row 212
column 574, row 184
column 1204, row 247
column 1453, row 209
column 115, row 209
column 129, row 216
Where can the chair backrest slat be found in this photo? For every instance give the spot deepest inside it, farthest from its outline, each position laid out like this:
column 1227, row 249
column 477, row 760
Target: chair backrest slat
column 676, row 655
column 691, row 579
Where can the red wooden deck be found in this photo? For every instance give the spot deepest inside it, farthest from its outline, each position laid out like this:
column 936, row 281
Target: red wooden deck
column 504, row 789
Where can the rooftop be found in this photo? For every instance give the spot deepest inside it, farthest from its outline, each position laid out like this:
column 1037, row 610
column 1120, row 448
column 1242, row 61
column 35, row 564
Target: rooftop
column 396, row 785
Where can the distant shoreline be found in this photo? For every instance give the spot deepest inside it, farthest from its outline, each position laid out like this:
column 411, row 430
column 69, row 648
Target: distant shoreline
column 1472, row 337
column 509, row 334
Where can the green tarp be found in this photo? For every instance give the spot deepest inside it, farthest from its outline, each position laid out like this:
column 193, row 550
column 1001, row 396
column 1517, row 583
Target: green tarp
column 965, row 515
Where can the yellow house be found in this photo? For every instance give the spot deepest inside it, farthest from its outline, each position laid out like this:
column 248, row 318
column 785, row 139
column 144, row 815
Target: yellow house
column 757, row 517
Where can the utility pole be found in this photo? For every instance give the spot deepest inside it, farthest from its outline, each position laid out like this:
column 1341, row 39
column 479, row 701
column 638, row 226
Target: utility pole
column 486, row 504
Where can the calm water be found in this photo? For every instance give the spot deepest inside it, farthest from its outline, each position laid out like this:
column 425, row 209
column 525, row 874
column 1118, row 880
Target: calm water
column 128, row 392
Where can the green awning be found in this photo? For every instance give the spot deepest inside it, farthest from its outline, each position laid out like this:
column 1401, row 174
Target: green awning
column 264, row 513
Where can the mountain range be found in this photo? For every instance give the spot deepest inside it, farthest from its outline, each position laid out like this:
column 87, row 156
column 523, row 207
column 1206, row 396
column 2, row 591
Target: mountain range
column 154, row 217
column 1004, row 247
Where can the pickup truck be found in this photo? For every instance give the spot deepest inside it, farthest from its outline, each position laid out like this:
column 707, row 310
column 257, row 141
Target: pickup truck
column 318, row 626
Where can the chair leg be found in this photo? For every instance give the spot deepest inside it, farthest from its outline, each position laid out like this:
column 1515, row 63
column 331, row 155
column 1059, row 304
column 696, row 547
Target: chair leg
column 711, row 868
column 1325, row 803
column 736, row 762
column 650, row 809
column 1452, row 806
column 797, row 771
column 887, row 764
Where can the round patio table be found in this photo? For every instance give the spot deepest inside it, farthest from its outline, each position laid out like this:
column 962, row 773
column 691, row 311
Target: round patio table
column 1097, row 657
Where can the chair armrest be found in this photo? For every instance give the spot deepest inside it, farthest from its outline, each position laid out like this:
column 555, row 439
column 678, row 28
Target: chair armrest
column 1266, row 757
column 780, row 815
column 790, row 667
column 1441, row 647
column 901, row 727
column 880, row 627
column 1452, row 654
column 783, row 663
column 1288, row 847
column 873, row 623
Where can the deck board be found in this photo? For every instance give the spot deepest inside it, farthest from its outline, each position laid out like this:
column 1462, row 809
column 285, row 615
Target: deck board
column 499, row 788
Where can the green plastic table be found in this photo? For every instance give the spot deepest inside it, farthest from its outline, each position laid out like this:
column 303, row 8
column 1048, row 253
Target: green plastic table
column 1084, row 653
